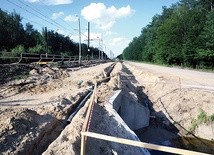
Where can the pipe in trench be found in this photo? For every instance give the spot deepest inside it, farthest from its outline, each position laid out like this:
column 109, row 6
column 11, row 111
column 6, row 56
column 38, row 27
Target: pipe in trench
column 87, row 96
column 79, row 107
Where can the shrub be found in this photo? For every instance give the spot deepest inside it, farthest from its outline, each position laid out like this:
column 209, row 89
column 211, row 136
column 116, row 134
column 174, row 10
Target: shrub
column 202, row 117
column 36, row 49
column 18, row 50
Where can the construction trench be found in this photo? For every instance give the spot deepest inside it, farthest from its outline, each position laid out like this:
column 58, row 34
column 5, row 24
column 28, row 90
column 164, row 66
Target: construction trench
column 122, row 110
column 107, row 120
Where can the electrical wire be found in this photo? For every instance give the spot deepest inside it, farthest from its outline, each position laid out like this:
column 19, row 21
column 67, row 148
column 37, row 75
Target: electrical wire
column 32, row 21
column 44, row 15
column 54, row 12
column 32, row 13
column 60, row 17
column 52, row 23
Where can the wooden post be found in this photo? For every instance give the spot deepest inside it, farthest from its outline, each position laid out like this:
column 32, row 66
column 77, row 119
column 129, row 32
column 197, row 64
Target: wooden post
column 179, row 83
column 118, row 80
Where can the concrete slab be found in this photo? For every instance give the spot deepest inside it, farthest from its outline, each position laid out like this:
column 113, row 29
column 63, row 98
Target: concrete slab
column 133, row 113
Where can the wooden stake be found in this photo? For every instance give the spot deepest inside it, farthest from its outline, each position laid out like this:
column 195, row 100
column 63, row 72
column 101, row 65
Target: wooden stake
column 179, row 83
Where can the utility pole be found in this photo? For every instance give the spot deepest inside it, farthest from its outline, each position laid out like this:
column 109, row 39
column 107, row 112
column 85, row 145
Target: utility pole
column 105, row 53
column 101, row 39
column 46, row 40
column 99, row 48
column 102, row 46
column 88, row 34
column 89, row 41
column 79, row 41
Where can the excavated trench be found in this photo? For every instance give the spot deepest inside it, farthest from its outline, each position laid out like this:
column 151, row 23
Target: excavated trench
column 134, row 110
column 53, row 129
column 158, row 129
column 72, row 112
column 130, row 110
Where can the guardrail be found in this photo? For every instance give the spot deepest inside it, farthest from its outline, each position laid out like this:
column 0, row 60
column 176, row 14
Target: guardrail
column 41, row 58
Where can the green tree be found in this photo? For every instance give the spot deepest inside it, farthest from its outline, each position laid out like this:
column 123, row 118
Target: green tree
column 205, row 53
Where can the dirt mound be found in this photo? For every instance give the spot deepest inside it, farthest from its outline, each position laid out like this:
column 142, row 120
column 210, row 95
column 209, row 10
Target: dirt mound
column 21, row 126
column 11, row 72
column 39, row 81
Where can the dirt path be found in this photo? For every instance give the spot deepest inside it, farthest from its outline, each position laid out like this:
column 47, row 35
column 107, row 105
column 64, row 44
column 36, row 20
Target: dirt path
column 189, row 78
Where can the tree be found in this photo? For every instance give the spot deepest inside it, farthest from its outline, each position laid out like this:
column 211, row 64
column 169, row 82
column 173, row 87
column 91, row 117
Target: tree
column 205, row 53
column 32, row 36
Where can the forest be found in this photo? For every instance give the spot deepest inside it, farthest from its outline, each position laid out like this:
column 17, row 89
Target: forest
column 16, row 38
column 181, row 35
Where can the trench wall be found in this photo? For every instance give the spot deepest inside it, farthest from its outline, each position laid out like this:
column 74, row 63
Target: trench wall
column 134, row 114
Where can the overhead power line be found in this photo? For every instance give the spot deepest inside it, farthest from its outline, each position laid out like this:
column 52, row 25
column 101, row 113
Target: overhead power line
column 31, row 21
column 45, row 16
column 32, row 13
column 59, row 17
column 52, row 22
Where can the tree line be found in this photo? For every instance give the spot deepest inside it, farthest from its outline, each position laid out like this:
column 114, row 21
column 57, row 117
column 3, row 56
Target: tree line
column 182, row 34
column 15, row 38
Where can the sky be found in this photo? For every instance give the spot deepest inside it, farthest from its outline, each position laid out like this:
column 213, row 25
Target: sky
column 113, row 23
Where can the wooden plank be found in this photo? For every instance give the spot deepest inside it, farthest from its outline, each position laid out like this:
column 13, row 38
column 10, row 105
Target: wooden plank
column 82, row 150
column 141, row 144
column 89, row 109
column 85, row 124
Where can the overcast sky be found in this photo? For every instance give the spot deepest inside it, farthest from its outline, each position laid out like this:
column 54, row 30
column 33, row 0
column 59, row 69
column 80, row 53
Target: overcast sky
column 115, row 21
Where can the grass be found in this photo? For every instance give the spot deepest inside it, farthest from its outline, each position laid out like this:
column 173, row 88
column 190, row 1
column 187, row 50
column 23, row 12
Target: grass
column 201, row 118
column 212, row 117
column 194, row 124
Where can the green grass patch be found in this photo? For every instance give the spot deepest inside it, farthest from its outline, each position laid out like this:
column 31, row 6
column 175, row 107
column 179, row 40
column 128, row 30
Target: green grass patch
column 201, row 118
